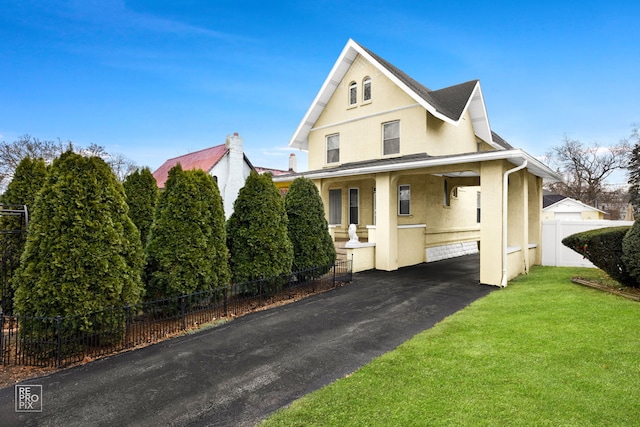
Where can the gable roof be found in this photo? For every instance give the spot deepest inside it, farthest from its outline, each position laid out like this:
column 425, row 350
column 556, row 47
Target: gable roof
column 204, row 160
column 569, row 202
column 448, row 104
column 549, row 198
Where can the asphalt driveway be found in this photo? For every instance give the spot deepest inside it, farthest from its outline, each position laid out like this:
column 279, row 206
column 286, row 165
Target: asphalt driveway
column 238, row 373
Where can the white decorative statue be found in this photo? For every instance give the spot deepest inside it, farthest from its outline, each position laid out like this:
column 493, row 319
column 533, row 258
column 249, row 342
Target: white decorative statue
column 353, row 236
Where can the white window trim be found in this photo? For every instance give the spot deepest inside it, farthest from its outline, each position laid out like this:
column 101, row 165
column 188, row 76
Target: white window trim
column 326, row 144
column 357, row 204
column 352, row 85
column 364, row 85
column 339, row 211
column 399, row 137
column 400, row 187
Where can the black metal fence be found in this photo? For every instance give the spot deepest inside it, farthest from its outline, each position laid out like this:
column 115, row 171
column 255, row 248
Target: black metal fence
column 62, row 341
column 13, row 233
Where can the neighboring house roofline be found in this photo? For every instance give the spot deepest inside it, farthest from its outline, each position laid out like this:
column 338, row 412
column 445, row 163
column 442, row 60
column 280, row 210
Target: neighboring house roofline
column 205, row 159
column 448, row 104
column 417, row 161
column 578, row 202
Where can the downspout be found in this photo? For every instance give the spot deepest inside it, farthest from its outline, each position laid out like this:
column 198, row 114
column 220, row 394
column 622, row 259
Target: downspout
column 505, row 213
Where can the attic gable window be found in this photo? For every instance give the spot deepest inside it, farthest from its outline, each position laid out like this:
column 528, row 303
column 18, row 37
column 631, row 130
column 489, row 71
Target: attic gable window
column 333, row 148
column 353, row 93
column 366, row 89
column 391, row 138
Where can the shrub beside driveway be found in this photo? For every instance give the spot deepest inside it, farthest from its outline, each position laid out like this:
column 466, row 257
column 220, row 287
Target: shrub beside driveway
column 543, row 351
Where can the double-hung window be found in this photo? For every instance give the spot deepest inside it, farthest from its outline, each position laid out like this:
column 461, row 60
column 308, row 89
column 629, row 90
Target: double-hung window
column 354, row 206
column 335, row 207
column 391, row 138
column 333, row 148
column 404, row 200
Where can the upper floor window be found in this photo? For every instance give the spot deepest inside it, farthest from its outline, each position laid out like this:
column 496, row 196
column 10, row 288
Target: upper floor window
column 391, row 138
column 353, row 93
column 333, row 148
column 366, row 89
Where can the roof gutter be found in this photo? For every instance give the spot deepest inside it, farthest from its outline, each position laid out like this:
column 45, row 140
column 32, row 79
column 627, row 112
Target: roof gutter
column 515, row 156
column 505, row 222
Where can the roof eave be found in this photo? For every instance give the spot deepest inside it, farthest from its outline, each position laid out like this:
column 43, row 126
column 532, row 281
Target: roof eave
column 515, row 156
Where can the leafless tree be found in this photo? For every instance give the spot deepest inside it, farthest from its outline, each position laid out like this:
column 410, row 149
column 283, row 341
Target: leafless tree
column 586, row 168
column 11, row 153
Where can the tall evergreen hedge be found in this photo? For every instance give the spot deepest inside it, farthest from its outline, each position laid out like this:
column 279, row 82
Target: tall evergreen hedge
column 142, row 195
column 27, row 180
column 186, row 250
column 83, row 252
column 308, row 229
column 631, row 252
column 257, row 234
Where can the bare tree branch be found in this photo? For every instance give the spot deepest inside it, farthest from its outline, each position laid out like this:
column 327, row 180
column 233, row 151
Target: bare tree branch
column 586, row 168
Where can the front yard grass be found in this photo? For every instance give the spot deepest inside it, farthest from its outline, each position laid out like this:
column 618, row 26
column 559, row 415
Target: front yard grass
column 543, row 352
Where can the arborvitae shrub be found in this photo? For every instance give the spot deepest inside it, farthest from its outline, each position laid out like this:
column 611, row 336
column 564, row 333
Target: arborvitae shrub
column 257, row 235
column 308, row 229
column 142, row 194
column 631, row 252
column 603, row 247
column 27, row 180
column 83, row 252
column 186, row 250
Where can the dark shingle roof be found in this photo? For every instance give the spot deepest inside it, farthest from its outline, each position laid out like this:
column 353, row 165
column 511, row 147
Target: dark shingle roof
column 549, row 198
column 498, row 140
column 449, row 101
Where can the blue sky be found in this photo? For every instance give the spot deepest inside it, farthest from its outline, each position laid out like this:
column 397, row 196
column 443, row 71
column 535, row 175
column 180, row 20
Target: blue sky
column 156, row 79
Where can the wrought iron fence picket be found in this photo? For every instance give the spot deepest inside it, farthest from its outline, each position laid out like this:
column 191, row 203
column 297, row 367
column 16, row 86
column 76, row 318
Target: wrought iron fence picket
column 59, row 341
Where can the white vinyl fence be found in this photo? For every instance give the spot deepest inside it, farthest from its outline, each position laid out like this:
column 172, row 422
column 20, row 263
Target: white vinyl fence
column 554, row 253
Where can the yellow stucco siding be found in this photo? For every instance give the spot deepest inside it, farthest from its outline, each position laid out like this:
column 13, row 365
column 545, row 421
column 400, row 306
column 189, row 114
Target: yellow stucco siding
column 445, row 138
column 591, row 215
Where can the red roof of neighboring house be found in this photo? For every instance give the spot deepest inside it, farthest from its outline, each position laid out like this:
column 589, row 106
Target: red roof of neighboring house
column 274, row 172
column 204, row 159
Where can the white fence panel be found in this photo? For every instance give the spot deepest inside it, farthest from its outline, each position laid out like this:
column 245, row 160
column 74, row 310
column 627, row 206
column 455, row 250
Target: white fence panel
column 554, row 253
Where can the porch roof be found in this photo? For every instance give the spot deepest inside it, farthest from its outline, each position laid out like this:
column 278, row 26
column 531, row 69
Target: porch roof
column 423, row 160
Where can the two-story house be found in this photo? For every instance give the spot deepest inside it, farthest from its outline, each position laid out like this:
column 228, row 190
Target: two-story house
column 419, row 172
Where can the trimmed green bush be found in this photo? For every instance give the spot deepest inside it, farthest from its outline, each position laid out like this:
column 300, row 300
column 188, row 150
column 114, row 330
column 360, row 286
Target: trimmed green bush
column 27, row 180
column 83, row 252
column 142, row 194
column 603, row 247
column 631, row 252
column 257, row 235
column 186, row 250
column 308, row 229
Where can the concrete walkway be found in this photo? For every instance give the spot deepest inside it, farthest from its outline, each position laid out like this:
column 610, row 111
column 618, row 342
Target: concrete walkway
column 240, row 372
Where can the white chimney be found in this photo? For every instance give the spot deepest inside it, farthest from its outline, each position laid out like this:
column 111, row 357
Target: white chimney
column 235, row 179
column 293, row 163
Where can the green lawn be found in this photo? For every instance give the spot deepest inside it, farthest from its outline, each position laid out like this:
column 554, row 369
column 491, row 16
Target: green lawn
column 541, row 352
